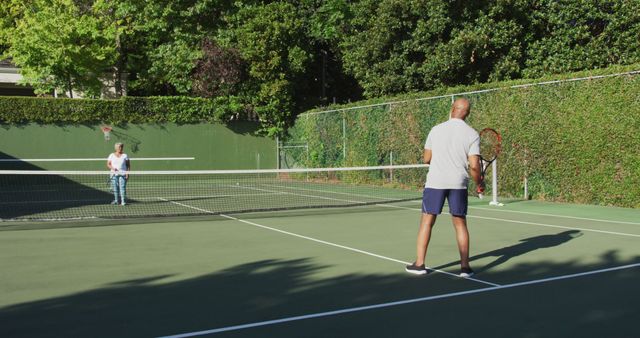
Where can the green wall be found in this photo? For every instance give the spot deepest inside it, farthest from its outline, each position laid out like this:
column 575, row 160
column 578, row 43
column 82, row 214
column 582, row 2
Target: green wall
column 574, row 141
column 214, row 146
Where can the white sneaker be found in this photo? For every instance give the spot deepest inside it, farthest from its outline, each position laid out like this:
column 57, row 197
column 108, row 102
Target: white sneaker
column 415, row 269
column 466, row 272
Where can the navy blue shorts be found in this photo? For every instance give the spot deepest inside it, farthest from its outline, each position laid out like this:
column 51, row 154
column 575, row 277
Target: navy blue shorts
column 433, row 201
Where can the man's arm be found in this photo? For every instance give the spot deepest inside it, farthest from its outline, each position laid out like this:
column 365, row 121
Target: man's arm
column 475, row 170
column 426, row 156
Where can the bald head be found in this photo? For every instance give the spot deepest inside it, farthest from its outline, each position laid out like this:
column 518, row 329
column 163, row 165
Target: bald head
column 460, row 108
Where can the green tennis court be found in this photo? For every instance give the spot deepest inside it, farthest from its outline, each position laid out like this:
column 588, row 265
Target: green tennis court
column 543, row 270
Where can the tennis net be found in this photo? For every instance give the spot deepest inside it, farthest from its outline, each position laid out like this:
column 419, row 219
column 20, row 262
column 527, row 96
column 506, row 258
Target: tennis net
column 64, row 195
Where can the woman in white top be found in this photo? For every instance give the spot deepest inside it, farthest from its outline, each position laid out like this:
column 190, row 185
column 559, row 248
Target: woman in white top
column 118, row 163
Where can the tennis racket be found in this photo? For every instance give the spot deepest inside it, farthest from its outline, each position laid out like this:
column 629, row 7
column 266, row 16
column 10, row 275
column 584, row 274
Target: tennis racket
column 110, row 179
column 490, row 146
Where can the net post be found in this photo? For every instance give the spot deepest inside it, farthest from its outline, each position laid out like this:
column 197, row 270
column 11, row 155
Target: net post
column 494, row 184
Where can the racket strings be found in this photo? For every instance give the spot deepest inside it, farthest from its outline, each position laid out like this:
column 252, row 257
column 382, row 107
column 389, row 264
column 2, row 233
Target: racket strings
column 489, row 145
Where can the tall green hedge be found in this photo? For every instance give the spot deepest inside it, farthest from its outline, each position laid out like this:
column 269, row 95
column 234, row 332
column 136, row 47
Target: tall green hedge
column 574, row 141
column 16, row 110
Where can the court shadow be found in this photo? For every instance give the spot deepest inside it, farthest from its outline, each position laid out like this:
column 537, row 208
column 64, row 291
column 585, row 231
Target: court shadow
column 525, row 246
column 148, row 307
column 43, row 196
column 273, row 289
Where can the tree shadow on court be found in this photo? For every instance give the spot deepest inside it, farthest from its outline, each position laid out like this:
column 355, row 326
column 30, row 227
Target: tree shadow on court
column 262, row 290
column 525, row 246
column 243, row 127
column 44, row 196
column 132, row 142
column 272, row 289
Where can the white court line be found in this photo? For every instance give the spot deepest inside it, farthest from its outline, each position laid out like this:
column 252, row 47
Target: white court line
column 142, row 198
column 302, row 195
column 523, row 222
column 397, row 303
column 337, row 245
column 560, row 216
column 328, row 192
column 554, row 215
column 323, row 242
column 92, row 159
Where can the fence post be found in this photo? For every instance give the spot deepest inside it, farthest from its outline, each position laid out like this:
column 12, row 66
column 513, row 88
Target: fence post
column 277, row 152
column 344, row 139
column 391, row 163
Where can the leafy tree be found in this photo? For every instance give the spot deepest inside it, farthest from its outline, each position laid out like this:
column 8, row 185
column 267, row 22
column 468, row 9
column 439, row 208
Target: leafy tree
column 161, row 40
column 218, row 72
column 58, row 46
column 271, row 39
column 397, row 46
column 281, row 57
column 10, row 12
column 327, row 23
column 577, row 35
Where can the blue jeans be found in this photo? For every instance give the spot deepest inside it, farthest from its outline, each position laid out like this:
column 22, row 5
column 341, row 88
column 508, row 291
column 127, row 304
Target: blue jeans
column 119, row 184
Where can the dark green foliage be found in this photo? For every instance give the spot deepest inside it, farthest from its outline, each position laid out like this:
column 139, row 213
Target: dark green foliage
column 17, row 110
column 396, row 46
column 573, row 35
column 283, row 57
column 219, row 72
column 574, row 141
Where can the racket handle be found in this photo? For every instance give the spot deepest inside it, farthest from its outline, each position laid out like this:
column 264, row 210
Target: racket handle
column 480, row 188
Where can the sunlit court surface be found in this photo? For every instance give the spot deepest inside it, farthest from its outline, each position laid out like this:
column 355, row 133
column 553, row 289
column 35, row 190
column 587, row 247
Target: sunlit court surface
column 542, row 270
column 276, row 169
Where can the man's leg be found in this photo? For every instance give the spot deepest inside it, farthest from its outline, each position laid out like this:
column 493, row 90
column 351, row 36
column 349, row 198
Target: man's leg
column 424, row 236
column 123, row 189
column 432, row 202
column 458, row 202
column 462, row 236
column 115, row 188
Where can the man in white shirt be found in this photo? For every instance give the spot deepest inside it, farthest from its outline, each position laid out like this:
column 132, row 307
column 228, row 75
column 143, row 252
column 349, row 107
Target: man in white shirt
column 119, row 165
column 452, row 150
